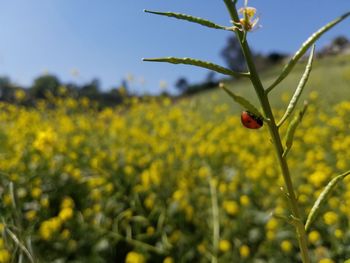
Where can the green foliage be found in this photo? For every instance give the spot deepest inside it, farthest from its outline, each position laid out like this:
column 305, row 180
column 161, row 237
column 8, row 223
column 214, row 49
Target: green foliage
column 45, row 85
column 292, row 128
column 305, row 46
column 324, row 196
column 293, row 102
column 242, row 27
column 242, row 101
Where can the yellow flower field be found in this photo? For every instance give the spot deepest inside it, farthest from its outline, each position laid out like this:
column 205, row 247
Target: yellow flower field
column 160, row 181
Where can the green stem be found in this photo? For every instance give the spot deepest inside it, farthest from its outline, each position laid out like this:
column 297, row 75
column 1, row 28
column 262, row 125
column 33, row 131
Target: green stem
column 273, row 129
column 215, row 220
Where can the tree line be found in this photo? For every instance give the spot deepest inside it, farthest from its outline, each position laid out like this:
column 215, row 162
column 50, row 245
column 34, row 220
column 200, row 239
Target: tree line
column 47, row 86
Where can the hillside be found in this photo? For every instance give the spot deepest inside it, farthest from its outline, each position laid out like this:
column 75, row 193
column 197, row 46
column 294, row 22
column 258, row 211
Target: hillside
column 329, row 82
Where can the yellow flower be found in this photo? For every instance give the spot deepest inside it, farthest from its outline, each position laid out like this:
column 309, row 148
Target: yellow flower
column 314, row 237
column 30, row 215
column 204, row 172
column 244, row 251
column 231, row 207
column 224, row 245
column 20, row 95
column 338, row 233
column 149, row 202
column 223, row 188
column 326, row 260
column 330, row 218
column 36, row 192
column 45, row 140
column 313, row 95
column 67, row 202
column 4, row 256
column 286, row 246
column 134, row 257
column 201, row 248
column 49, row 228
column 244, row 200
column 66, row 214
column 150, row 230
column 65, row 234
column 168, row 260
column 272, row 224
column 45, row 202
column 248, row 22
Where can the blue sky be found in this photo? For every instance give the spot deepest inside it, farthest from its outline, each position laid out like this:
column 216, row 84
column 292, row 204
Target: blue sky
column 107, row 39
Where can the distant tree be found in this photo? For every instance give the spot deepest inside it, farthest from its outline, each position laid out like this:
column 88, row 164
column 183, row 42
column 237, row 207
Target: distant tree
column 182, row 84
column 210, row 78
column 6, row 89
column 90, row 90
column 44, row 85
column 234, row 58
column 264, row 62
column 233, row 55
column 341, row 42
column 72, row 90
column 338, row 45
column 4, row 81
column 275, row 57
column 113, row 97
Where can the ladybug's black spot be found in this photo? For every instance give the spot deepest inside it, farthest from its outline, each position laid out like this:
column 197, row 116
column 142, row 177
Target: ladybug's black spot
column 259, row 121
column 256, row 118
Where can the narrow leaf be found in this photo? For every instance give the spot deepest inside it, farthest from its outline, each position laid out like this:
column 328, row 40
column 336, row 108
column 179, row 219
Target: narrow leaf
column 19, row 244
column 293, row 102
column 292, row 128
column 322, row 198
column 198, row 63
column 242, row 101
column 189, row 18
column 13, row 196
column 305, row 46
column 283, row 218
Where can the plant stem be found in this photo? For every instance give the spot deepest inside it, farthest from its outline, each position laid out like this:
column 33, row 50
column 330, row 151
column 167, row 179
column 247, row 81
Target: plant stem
column 273, row 129
column 215, row 220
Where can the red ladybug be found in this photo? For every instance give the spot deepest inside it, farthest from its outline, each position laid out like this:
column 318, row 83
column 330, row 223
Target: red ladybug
column 251, row 121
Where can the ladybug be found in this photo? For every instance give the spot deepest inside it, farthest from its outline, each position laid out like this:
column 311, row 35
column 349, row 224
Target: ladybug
column 251, row 121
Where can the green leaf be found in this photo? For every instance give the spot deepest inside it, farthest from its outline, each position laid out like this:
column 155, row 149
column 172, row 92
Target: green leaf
column 293, row 102
column 305, row 46
column 198, row 63
column 19, row 244
column 189, row 18
column 322, row 199
column 292, row 128
column 284, row 218
column 242, row 101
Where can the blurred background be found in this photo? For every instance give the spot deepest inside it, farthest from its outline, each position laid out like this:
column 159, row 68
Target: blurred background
column 79, row 41
column 105, row 158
